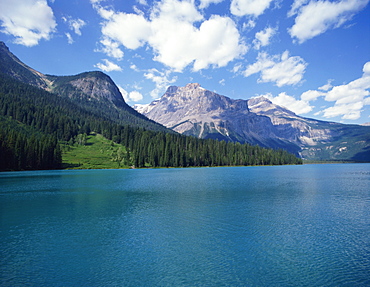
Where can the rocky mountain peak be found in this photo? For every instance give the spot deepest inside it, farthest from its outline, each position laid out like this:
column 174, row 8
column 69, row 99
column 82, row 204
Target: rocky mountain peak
column 188, row 93
column 263, row 106
column 192, row 86
column 258, row 101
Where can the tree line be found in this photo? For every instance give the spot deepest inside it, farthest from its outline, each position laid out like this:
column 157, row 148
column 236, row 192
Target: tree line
column 53, row 119
column 158, row 149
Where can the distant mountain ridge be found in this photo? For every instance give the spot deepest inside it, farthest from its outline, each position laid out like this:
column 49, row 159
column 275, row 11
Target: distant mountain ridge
column 193, row 110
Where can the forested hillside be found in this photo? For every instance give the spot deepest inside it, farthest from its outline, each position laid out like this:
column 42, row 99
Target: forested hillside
column 52, row 119
column 23, row 148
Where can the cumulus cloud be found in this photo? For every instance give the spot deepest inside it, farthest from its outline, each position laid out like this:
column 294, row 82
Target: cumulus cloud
column 349, row 99
column 206, row 3
column 108, row 66
column 177, row 33
column 311, row 95
column 297, row 106
column 317, row 17
column 111, row 48
column 263, row 37
column 283, row 70
column 297, row 4
column 131, row 30
column 28, row 21
column 161, row 80
column 327, row 86
column 133, row 96
column 249, row 7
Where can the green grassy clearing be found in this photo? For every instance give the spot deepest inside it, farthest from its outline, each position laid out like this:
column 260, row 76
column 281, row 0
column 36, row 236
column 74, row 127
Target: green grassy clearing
column 96, row 152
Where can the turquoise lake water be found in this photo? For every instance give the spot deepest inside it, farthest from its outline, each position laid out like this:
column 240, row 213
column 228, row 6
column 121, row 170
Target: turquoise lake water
column 230, row 226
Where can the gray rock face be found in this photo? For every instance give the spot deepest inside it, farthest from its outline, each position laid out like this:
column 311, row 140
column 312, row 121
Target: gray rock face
column 193, row 110
column 88, row 85
column 289, row 126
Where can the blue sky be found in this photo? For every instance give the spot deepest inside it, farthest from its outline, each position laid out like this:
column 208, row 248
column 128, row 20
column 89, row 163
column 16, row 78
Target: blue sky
column 312, row 57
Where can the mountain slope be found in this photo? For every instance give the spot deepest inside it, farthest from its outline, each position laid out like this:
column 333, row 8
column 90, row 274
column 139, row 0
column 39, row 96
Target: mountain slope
column 92, row 91
column 12, row 66
column 193, row 110
column 318, row 140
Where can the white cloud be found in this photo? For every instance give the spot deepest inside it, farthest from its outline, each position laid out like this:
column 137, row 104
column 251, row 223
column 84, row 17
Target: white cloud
column 349, row 98
column 161, row 80
column 133, row 96
column 327, row 86
column 366, row 69
column 237, row 68
column 347, row 111
column 283, row 70
column 263, row 37
column 142, row 2
column 27, row 20
column 249, row 7
column 108, row 66
column 178, row 35
column 206, row 3
column 317, row 17
column 69, row 37
column 297, row 106
column 76, row 25
column 297, row 4
column 134, row 68
column 249, row 25
column 131, row 30
column 111, row 48
column 311, row 95
column 124, row 93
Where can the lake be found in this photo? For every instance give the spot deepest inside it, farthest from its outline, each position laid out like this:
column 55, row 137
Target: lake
column 305, row 225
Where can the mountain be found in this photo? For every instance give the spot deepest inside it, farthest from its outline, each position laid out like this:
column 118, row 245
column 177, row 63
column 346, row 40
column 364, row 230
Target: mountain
column 193, row 110
column 44, row 117
column 92, row 91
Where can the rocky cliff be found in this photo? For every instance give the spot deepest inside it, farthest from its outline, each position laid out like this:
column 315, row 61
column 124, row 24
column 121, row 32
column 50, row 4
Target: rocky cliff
column 89, row 85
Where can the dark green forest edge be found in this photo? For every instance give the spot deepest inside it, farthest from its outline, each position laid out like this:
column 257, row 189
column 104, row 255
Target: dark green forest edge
column 36, row 125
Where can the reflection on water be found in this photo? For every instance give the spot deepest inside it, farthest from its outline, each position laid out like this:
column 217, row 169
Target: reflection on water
column 243, row 226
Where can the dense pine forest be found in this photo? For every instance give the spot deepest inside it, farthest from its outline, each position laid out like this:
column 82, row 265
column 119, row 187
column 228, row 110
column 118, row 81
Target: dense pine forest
column 34, row 122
